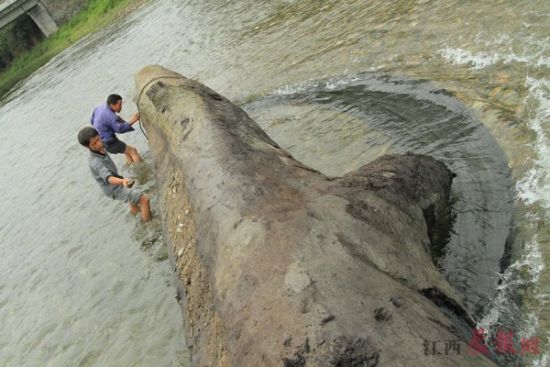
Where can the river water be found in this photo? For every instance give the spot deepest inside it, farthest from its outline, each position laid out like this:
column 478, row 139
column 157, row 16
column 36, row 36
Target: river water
column 337, row 83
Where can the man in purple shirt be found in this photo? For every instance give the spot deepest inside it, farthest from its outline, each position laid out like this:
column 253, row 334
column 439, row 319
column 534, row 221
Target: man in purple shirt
column 106, row 121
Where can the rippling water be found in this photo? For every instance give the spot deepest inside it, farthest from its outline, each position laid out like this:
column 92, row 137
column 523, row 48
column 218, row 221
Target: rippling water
column 338, row 125
column 337, row 83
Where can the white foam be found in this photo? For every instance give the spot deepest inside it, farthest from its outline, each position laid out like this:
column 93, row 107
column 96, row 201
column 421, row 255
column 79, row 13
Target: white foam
column 483, row 59
column 533, row 188
column 460, row 56
column 533, row 262
column 536, row 188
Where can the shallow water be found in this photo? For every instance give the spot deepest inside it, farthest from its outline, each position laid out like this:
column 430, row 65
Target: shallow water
column 339, row 125
column 337, row 84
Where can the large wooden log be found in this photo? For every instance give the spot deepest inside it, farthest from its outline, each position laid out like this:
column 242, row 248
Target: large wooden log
column 283, row 266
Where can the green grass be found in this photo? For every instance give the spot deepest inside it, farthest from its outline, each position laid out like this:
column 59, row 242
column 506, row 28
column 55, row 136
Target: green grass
column 95, row 16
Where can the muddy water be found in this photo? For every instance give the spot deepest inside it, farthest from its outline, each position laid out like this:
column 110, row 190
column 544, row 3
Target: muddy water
column 336, row 83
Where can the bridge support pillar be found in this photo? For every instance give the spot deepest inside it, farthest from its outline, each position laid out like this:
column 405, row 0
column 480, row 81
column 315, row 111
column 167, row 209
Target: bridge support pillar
column 43, row 19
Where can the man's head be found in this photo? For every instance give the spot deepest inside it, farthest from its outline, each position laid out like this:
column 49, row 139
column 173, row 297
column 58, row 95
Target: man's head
column 89, row 137
column 114, row 101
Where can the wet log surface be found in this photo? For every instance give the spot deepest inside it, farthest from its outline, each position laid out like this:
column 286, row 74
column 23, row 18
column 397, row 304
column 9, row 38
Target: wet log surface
column 280, row 265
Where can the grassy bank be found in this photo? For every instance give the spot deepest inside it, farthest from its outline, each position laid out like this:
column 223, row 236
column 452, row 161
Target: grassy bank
column 97, row 14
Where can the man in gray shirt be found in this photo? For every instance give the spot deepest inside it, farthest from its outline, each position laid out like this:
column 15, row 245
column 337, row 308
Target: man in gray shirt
column 106, row 174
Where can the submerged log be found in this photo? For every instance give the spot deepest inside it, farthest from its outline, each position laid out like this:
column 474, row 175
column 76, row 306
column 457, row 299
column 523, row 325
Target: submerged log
column 280, row 265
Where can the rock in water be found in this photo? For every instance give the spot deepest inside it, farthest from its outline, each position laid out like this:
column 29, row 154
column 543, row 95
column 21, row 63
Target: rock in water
column 283, row 266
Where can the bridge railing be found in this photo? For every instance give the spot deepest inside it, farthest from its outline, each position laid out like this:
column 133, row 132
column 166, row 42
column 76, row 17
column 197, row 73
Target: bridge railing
column 5, row 3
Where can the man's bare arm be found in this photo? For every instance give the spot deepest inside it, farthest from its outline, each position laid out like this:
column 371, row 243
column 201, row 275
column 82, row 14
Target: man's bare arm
column 118, row 181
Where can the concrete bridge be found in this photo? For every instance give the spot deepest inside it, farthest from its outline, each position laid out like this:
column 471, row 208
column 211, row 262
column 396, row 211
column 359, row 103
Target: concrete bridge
column 13, row 9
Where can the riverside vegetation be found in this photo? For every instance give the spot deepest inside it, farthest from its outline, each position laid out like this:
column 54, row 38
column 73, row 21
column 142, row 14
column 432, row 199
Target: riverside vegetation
column 18, row 60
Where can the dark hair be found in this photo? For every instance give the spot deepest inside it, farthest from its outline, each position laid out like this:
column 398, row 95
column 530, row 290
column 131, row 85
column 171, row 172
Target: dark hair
column 113, row 99
column 85, row 135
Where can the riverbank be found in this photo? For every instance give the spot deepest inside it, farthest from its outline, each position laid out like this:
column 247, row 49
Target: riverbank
column 98, row 14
